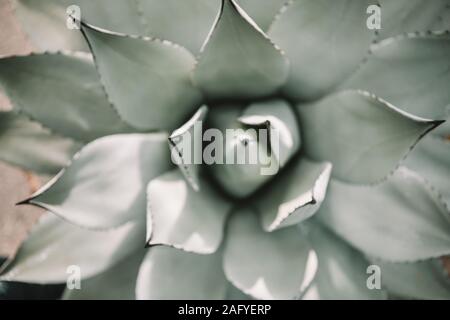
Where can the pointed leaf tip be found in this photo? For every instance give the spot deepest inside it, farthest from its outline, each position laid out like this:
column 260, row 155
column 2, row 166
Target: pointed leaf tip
column 238, row 59
column 376, row 138
column 135, row 73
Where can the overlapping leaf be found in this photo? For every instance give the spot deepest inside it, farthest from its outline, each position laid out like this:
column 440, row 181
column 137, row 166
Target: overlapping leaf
column 364, row 137
column 324, row 41
column 105, row 185
column 412, row 72
column 61, row 91
column 29, row 145
column 168, row 273
column 185, row 219
column 54, row 245
column 238, row 60
column 275, row 265
column 146, row 79
column 400, row 220
column 295, row 195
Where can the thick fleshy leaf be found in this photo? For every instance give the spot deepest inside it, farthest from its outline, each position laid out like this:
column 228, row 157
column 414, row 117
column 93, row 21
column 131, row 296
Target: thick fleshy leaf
column 324, row 41
column 146, row 79
column 105, row 185
column 443, row 131
column 244, row 162
column 238, row 59
column 342, row 272
column 295, row 195
column 29, row 145
column 418, row 280
column 185, row 219
column 184, row 22
column 402, row 16
column 412, row 72
column 364, row 137
column 186, row 144
column 54, row 245
column 116, row 283
column 171, row 274
column 401, row 219
column 45, row 22
column 234, row 293
column 118, row 16
column 276, row 265
column 262, row 13
column 61, row 91
column 280, row 121
column 431, row 159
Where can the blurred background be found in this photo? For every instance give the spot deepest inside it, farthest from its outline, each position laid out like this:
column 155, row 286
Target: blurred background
column 16, row 184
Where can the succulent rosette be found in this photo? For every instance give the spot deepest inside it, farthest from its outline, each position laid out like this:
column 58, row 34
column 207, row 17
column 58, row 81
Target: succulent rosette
column 363, row 158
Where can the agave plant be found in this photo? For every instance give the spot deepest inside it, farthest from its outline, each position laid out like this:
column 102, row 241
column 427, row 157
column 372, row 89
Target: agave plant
column 364, row 153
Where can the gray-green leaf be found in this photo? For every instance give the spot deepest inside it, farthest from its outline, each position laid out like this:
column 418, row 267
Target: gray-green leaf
column 45, row 22
column 431, row 158
column 267, row 265
column 342, row 272
column 169, row 273
column 295, row 194
column 412, row 72
column 105, row 185
column 238, row 59
column 400, row 16
column 324, row 41
column 185, row 219
column 61, row 91
column 115, row 283
column 364, row 137
column 146, row 79
column 418, row 280
column 54, row 245
column 29, row 145
column 262, row 13
column 402, row 219
column 185, row 22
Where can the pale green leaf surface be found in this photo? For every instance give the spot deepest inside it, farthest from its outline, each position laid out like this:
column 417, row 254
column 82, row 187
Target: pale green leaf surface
column 54, row 245
column 295, row 194
column 105, row 184
column 185, row 22
column 61, row 91
column 400, row 16
column 186, row 144
column 45, row 23
column 267, row 265
column 238, row 60
column 364, row 137
column 431, row 158
column 183, row 218
column 263, row 12
column 342, row 272
column 411, row 72
column 419, row 280
column 324, row 41
column 116, row 283
column 168, row 274
column 146, row 79
column 399, row 220
column 29, row 145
